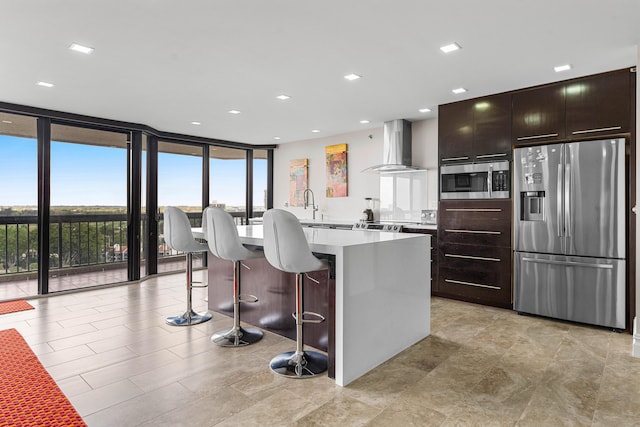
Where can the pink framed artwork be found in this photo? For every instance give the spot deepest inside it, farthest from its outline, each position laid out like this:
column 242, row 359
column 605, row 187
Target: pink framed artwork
column 298, row 181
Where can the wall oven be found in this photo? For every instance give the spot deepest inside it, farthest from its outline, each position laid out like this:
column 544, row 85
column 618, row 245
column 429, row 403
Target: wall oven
column 475, row 181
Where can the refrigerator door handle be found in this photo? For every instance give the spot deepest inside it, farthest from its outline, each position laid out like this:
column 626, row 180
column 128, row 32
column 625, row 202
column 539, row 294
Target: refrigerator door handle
column 567, row 200
column 569, row 263
column 559, row 204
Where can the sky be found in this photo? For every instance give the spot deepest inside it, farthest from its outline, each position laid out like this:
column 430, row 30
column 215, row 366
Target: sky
column 97, row 176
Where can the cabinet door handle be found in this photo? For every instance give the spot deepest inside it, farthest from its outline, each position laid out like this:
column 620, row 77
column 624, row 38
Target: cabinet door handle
column 546, row 135
column 486, row 156
column 473, row 210
column 577, row 132
column 449, row 159
column 481, row 258
column 473, row 231
column 477, row 285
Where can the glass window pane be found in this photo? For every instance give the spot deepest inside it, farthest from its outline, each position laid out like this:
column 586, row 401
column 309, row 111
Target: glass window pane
column 18, row 207
column 227, row 185
column 88, row 228
column 180, row 185
column 259, row 182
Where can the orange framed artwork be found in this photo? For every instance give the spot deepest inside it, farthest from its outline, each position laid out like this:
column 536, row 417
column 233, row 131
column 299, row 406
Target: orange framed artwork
column 336, row 170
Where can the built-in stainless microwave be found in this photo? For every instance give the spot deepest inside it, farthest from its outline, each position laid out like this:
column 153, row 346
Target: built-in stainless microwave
column 475, row 181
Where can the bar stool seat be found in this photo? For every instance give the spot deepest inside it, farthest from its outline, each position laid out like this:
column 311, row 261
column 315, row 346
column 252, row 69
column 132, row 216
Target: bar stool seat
column 286, row 248
column 178, row 235
column 224, row 242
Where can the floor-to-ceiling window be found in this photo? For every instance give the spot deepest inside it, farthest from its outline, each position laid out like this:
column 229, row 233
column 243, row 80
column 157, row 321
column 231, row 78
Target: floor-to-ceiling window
column 72, row 182
column 228, row 180
column 180, row 185
column 18, row 206
column 88, row 207
column 260, row 194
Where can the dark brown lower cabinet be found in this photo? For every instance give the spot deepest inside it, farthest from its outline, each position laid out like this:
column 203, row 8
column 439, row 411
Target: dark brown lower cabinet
column 434, row 252
column 275, row 291
column 474, row 251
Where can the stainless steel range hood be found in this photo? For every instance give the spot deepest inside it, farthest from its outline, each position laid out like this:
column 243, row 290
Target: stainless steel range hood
column 396, row 154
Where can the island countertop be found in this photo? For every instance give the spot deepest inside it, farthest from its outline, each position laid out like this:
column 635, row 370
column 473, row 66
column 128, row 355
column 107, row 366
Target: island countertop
column 382, row 293
column 327, row 240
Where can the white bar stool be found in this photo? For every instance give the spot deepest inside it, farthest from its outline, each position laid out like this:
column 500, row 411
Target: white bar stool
column 223, row 240
column 178, row 235
column 286, row 249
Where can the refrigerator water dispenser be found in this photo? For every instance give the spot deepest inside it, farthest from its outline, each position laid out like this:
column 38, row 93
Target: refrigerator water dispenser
column 532, row 206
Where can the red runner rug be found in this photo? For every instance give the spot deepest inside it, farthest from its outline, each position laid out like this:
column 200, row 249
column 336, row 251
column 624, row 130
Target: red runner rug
column 13, row 306
column 28, row 394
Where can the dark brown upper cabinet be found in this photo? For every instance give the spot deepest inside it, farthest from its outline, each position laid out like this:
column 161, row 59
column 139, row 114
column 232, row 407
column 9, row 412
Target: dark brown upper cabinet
column 587, row 107
column 455, row 132
column 539, row 114
column 598, row 105
column 492, row 128
column 475, row 130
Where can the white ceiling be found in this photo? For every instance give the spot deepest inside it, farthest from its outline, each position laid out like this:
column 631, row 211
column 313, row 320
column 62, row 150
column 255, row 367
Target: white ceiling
column 167, row 63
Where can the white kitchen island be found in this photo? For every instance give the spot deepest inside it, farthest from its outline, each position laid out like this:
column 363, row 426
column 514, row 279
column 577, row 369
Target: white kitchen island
column 382, row 295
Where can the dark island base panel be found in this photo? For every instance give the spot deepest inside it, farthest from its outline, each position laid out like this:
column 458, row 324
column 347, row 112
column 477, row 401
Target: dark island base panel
column 276, row 294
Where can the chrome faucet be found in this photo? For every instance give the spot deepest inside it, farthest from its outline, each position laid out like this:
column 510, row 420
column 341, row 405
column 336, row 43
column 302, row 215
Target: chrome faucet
column 305, row 197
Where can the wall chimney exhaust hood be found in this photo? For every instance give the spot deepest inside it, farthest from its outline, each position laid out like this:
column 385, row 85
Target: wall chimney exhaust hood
column 396, row 154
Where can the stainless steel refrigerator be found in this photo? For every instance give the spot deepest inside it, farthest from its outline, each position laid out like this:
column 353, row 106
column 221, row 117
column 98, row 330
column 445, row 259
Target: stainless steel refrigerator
column 569, row 236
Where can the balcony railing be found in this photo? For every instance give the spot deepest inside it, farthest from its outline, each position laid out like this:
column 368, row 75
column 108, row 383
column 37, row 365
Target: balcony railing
column 76, row 240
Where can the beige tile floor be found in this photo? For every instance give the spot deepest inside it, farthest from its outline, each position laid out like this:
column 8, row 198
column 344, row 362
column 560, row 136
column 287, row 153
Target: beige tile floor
column 120, row 365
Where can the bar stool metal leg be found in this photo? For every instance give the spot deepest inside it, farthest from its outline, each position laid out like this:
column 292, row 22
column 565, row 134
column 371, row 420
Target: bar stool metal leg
column 190, row 317
column 237, row 336
column 300, row 363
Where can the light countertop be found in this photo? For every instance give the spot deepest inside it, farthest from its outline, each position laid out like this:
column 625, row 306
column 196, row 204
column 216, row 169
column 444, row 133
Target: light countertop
column 327, row 240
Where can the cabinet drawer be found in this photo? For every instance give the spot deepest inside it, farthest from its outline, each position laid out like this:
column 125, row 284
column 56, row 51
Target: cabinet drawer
column 487, row 209
column 459, row 288
column 468, row 274
column 475, row 258
column 475, row 236
column 475, row 222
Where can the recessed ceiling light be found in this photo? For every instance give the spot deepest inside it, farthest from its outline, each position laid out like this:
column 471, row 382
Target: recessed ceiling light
column 276, row 137
column 352, row 77
column 450, row 47
column 364, row 122
column 459, row 90
column 196, row 123
column 80, row 48
column 234, row 112
column 425, row 110
column 283, row 97
column 7, row 122
column 45, row 84
column 315, row 130
column 560, row 68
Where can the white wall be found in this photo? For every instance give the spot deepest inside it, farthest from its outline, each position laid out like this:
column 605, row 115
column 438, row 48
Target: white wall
column 364, row 149
column 424, row 151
